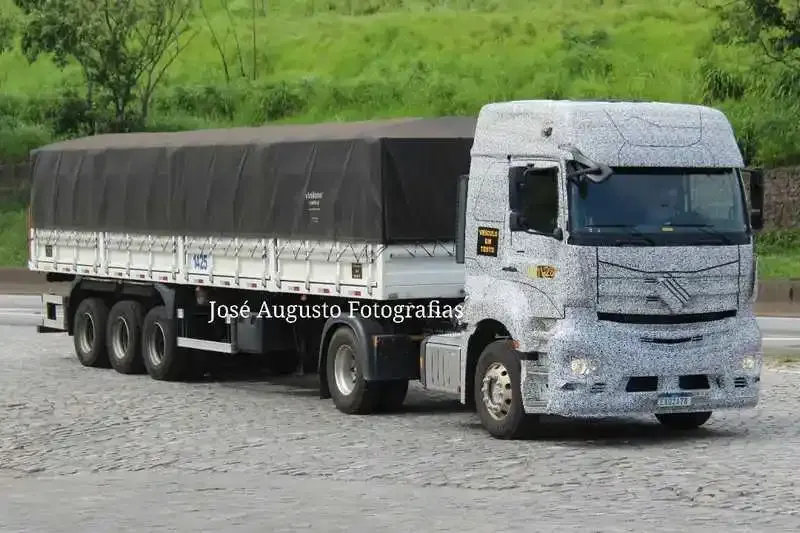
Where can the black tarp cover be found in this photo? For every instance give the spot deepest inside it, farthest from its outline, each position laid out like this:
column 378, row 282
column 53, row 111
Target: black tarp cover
column 378, row 181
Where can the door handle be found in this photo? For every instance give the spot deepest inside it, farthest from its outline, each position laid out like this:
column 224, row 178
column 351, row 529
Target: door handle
column 510, row 269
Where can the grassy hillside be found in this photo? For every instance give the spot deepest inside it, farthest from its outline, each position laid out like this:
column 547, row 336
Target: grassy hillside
column 371, row 58
column 349, row 59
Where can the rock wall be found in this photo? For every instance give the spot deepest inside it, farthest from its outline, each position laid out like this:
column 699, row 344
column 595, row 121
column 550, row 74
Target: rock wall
column 782, row 198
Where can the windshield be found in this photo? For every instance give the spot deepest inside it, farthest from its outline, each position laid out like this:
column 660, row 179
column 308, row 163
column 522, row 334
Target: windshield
column 659, row 206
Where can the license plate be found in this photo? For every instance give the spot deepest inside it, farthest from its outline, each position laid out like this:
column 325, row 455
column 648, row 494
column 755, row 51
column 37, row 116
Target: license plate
column 674, row 401
column 200, row 262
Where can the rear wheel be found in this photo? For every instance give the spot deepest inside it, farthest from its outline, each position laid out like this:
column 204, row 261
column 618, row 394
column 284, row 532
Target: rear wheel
column 163, row 360
column 124, row 337
column 497, row 393
column 683, row 421
column 89, row 333
column 349, row 390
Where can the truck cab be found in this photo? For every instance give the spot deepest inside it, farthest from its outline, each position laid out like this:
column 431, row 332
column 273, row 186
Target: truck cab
column 609, row 266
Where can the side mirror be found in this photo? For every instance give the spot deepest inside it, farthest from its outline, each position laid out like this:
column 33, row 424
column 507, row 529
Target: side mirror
column 517, row 221
column 596, row 174
column 517, row 181
column 593, row 171
column 756, row 199
column 461, row 217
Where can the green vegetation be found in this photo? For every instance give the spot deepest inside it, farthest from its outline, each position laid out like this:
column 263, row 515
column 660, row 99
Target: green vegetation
column 781, row 265
column 13, row 241
column 779, row 254
column 315, row 60
column 332, row 60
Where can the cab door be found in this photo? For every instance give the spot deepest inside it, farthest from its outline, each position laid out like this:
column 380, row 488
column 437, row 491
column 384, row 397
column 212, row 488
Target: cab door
column 535, row 229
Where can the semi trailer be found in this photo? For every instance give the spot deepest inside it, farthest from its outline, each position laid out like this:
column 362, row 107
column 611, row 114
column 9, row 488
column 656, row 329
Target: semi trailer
column 573, row 258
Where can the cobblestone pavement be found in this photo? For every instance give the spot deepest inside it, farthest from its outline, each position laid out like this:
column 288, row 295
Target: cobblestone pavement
column 84, row 450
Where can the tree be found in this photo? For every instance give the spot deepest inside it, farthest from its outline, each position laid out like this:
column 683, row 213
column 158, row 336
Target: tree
column 771, row 25
column 220, row 47
column 7, row 31
column 257, row 8
column 124, row 47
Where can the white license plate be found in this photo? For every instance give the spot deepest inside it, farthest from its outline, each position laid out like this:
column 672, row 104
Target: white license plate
column 674, row 401
column 199, row 262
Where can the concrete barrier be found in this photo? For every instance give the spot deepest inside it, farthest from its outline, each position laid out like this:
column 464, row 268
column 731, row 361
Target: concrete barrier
column 22, row 276
column 779, row 291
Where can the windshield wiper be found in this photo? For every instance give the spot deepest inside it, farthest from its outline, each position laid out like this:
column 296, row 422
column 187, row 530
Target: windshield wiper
column 708, row 228
column 635, row 232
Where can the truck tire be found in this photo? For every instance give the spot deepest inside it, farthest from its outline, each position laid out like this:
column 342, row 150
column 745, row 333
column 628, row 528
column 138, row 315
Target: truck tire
column 683, row 421
column 89, row 333
column 391, row 395
column 497, row 393
column 349, row 391
column 163, row 360
column 124, row 337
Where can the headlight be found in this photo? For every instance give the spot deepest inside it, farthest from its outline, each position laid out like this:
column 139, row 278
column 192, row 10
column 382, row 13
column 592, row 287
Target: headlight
column 749, row 362
column 582, row 367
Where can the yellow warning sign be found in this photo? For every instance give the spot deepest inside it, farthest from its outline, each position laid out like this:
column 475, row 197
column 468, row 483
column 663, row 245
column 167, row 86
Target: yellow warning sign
column 542, row 271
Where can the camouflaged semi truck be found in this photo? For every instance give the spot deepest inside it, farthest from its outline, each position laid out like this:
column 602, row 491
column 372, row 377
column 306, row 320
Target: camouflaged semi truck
column 548, row 257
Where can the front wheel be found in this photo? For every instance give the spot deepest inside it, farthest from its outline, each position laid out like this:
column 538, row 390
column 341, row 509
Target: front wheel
column 683, row 421
column 497, row 391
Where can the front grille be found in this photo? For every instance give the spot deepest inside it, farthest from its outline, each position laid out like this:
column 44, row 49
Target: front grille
column 694, row 382
column 680, row 340
column 642, row 384
column 666, row 319
column 740, row 383
column 597, row 387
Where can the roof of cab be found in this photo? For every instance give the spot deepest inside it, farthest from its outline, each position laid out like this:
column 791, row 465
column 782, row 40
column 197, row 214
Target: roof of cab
column 618, row 133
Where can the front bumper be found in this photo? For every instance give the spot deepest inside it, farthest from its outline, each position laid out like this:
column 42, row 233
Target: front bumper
column 630, row 375
column 585, row 401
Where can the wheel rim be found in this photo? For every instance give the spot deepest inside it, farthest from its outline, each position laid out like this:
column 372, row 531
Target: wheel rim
column 344, row 370
column 157, row 345
column 87, row 334
column 120, row 337
column 496, row 391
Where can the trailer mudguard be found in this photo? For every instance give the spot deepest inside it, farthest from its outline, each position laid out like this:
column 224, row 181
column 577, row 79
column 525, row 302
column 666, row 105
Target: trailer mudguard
column 391, row 357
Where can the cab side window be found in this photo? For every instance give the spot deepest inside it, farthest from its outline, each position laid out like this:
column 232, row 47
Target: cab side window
column 537, row 200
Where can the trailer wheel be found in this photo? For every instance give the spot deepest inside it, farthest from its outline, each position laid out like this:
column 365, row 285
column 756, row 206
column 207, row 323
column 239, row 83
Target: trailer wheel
column 683, row 421
column 163, row 360
column 392, row 395
column 89, row 333
column 124, row 337
column 498, row 394
column 349, row 390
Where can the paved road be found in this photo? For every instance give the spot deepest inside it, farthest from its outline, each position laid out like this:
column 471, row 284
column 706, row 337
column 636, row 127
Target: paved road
column 85, row 450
